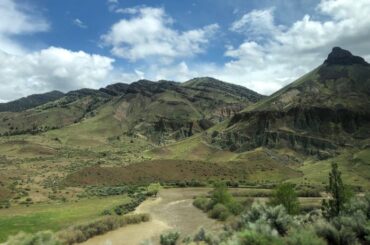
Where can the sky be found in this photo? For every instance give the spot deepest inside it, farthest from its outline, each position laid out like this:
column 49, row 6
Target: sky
column 260, row 44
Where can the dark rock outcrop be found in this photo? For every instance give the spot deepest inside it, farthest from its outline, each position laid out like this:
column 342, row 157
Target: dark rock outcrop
column 115, row 89
column 339, row 56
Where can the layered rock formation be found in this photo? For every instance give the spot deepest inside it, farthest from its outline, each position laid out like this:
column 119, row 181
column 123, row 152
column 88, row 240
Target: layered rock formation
column 321, row 112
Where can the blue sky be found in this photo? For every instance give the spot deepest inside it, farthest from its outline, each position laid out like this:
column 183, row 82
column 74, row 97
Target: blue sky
column 260, row 44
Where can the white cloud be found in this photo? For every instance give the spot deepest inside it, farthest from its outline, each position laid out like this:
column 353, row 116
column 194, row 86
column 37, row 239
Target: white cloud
column 24, row 72
column 51, row 69
column 15, row 20
column 79, row 23
column 256, row 23
column 272, row 56
column 149, row 34
column 127, row 10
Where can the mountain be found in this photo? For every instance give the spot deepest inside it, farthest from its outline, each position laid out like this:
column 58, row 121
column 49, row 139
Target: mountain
column 30, row 101
column 160, row 111
column 169, row 110
column 318, row 114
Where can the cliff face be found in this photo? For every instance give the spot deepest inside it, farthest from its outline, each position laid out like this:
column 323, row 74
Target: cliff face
column 321, row 112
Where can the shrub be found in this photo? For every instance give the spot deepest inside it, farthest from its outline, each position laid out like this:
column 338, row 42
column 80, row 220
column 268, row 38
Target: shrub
column 358, row 204
column 202, row 203
column 40, row 238
column 204, row 238
column 219, row 211
column 327, row 231
column 304, row 237
column 221, row 205
column 276, row 217
column 357, row 223
column 220, row 194
column 130, row 206
column 234, row 207
column 169, row 238
column 285, row 195
column 154, row 188
column 249, row 237
column 81, row 233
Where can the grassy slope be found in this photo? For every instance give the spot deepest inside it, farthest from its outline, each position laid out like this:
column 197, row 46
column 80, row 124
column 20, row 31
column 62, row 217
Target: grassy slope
column 353, row 164
column 91, row 131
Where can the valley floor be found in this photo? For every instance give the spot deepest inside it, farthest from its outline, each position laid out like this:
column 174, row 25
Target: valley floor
column 171, row 210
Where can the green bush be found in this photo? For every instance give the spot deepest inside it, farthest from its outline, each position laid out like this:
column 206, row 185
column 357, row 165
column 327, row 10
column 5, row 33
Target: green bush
column 327, row 231
column 342, row 235
column 220, row 212
column 220, row 194
column 276, row 217
column 249, row 237
column 81, row 233
column 169, row 238
column 304, row 237
column 154, row 188
column 285, row 195
column 130, row 206
column 202, row 203
column 40, row 238
column 234, row 207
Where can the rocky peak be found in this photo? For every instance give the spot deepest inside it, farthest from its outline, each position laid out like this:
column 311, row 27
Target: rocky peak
column 339, row 56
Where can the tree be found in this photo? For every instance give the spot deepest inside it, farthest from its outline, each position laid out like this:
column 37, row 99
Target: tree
column 154, row 188
column 339, row 194
column 220, row 194
column 285, row 195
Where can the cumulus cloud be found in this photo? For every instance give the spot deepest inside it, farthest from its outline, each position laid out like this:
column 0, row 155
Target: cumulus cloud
column 149, row 34
column 51, row 69
column 17, row 21
column 272, row 56
column 24, row 72
column 256, row 23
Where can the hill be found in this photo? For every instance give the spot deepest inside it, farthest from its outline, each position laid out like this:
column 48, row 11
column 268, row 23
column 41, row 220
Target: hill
column 319, row 114
column 30, row 101
column 159, row 111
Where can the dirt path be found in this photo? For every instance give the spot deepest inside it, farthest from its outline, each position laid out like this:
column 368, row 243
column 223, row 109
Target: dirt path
column 171, row 210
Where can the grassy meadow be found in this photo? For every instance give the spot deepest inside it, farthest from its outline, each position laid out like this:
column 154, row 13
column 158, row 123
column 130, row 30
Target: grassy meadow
column 53, row 216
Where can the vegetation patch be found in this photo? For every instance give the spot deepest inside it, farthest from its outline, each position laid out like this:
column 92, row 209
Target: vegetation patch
column 221, row 204
column 170, row 171
column 54, row 216
column 344, row 220
column 82, row 232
